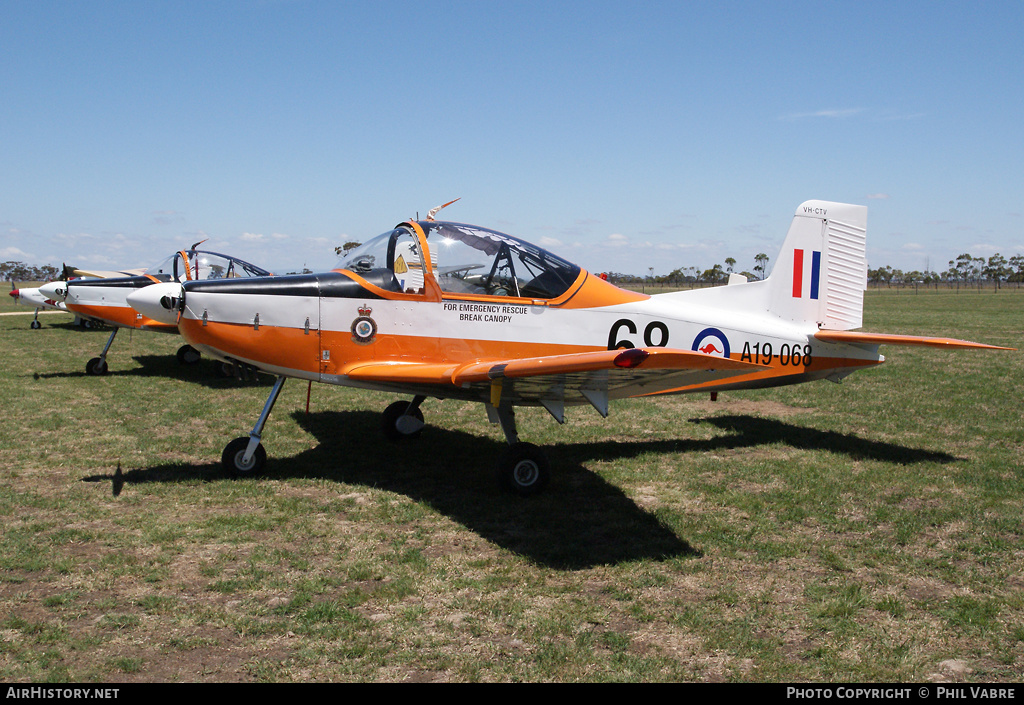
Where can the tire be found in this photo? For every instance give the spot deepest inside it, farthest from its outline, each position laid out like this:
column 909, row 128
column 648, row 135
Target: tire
column 96, row 366
column 231, row 458
column 389, row 421
column 187, row 355
column 524, row 470
column 35, row 325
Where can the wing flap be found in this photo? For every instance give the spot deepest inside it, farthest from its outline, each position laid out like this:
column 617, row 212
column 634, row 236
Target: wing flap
column 853, row 338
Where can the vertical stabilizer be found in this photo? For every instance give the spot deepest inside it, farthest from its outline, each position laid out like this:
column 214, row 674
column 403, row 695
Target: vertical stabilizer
column 821, row 273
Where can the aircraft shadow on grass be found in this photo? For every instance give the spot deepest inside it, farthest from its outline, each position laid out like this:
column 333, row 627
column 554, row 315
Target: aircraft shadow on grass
column 167, row 366
column 581, row 522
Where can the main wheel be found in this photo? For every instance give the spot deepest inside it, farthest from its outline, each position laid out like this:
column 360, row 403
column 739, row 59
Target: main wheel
column 232, row 456
column 96, row 366
column 392, row 414
column 187, row 355
column 35, row 325
column 524, row 470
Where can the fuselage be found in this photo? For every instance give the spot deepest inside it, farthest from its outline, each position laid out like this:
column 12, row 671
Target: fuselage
column 427, row 317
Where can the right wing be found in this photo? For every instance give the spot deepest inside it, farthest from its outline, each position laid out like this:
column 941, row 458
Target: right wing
column 575, row 378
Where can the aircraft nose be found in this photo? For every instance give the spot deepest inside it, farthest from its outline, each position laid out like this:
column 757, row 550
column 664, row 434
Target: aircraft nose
column 14, row 292
column 158, row 301
column 54, row 290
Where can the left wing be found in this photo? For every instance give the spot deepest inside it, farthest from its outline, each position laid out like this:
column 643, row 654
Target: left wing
column 553, row 380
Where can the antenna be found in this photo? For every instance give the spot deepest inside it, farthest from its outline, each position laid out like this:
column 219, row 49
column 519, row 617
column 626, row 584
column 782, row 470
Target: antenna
column 433, row 211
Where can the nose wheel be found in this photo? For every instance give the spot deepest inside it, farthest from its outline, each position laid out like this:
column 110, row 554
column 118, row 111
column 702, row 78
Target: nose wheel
column 98, row 365
column 235, row 463
column 245, row 456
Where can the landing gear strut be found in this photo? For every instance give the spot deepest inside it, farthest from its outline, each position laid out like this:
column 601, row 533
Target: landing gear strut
column 98, row 365
column 245, row 456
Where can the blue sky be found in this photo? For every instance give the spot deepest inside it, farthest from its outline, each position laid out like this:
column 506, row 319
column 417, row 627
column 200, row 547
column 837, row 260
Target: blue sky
column 623, row 136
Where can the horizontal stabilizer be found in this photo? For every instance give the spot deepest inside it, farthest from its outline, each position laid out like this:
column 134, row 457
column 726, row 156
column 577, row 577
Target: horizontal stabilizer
column 853, row 338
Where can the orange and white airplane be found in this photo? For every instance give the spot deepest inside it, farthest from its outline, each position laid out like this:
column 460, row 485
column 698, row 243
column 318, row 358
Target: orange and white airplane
column 34, row 297
column 447, row 310
column 105, row 299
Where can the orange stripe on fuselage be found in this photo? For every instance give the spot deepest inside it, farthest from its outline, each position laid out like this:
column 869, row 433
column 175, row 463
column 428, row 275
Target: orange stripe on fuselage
column 290, row 348
column 122, row 316
column 344, row 351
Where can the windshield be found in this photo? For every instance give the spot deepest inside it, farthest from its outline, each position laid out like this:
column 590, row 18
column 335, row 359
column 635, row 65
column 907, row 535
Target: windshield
column 197, row 264
column 390, row 260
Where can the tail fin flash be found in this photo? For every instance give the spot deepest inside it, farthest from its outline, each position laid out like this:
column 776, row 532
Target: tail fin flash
column 821, row 273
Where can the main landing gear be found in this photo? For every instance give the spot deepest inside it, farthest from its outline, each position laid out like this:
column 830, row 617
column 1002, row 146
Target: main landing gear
column 403, row 419
column 187, row 355
column 523, row 469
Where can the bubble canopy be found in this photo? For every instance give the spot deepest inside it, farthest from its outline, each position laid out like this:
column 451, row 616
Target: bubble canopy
column 192, row 265
column 464, row 259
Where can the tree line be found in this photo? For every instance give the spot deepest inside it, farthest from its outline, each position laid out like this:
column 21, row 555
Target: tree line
column 716, row 274
column 964, row 271
column 21, row 272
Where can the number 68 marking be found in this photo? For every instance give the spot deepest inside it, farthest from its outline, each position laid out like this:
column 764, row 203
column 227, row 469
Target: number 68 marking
column 653, row 326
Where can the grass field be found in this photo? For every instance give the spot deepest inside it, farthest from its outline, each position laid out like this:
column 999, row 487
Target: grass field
column 868, row 531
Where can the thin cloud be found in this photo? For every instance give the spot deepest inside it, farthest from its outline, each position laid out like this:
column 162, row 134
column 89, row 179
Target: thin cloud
column 830, row 113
